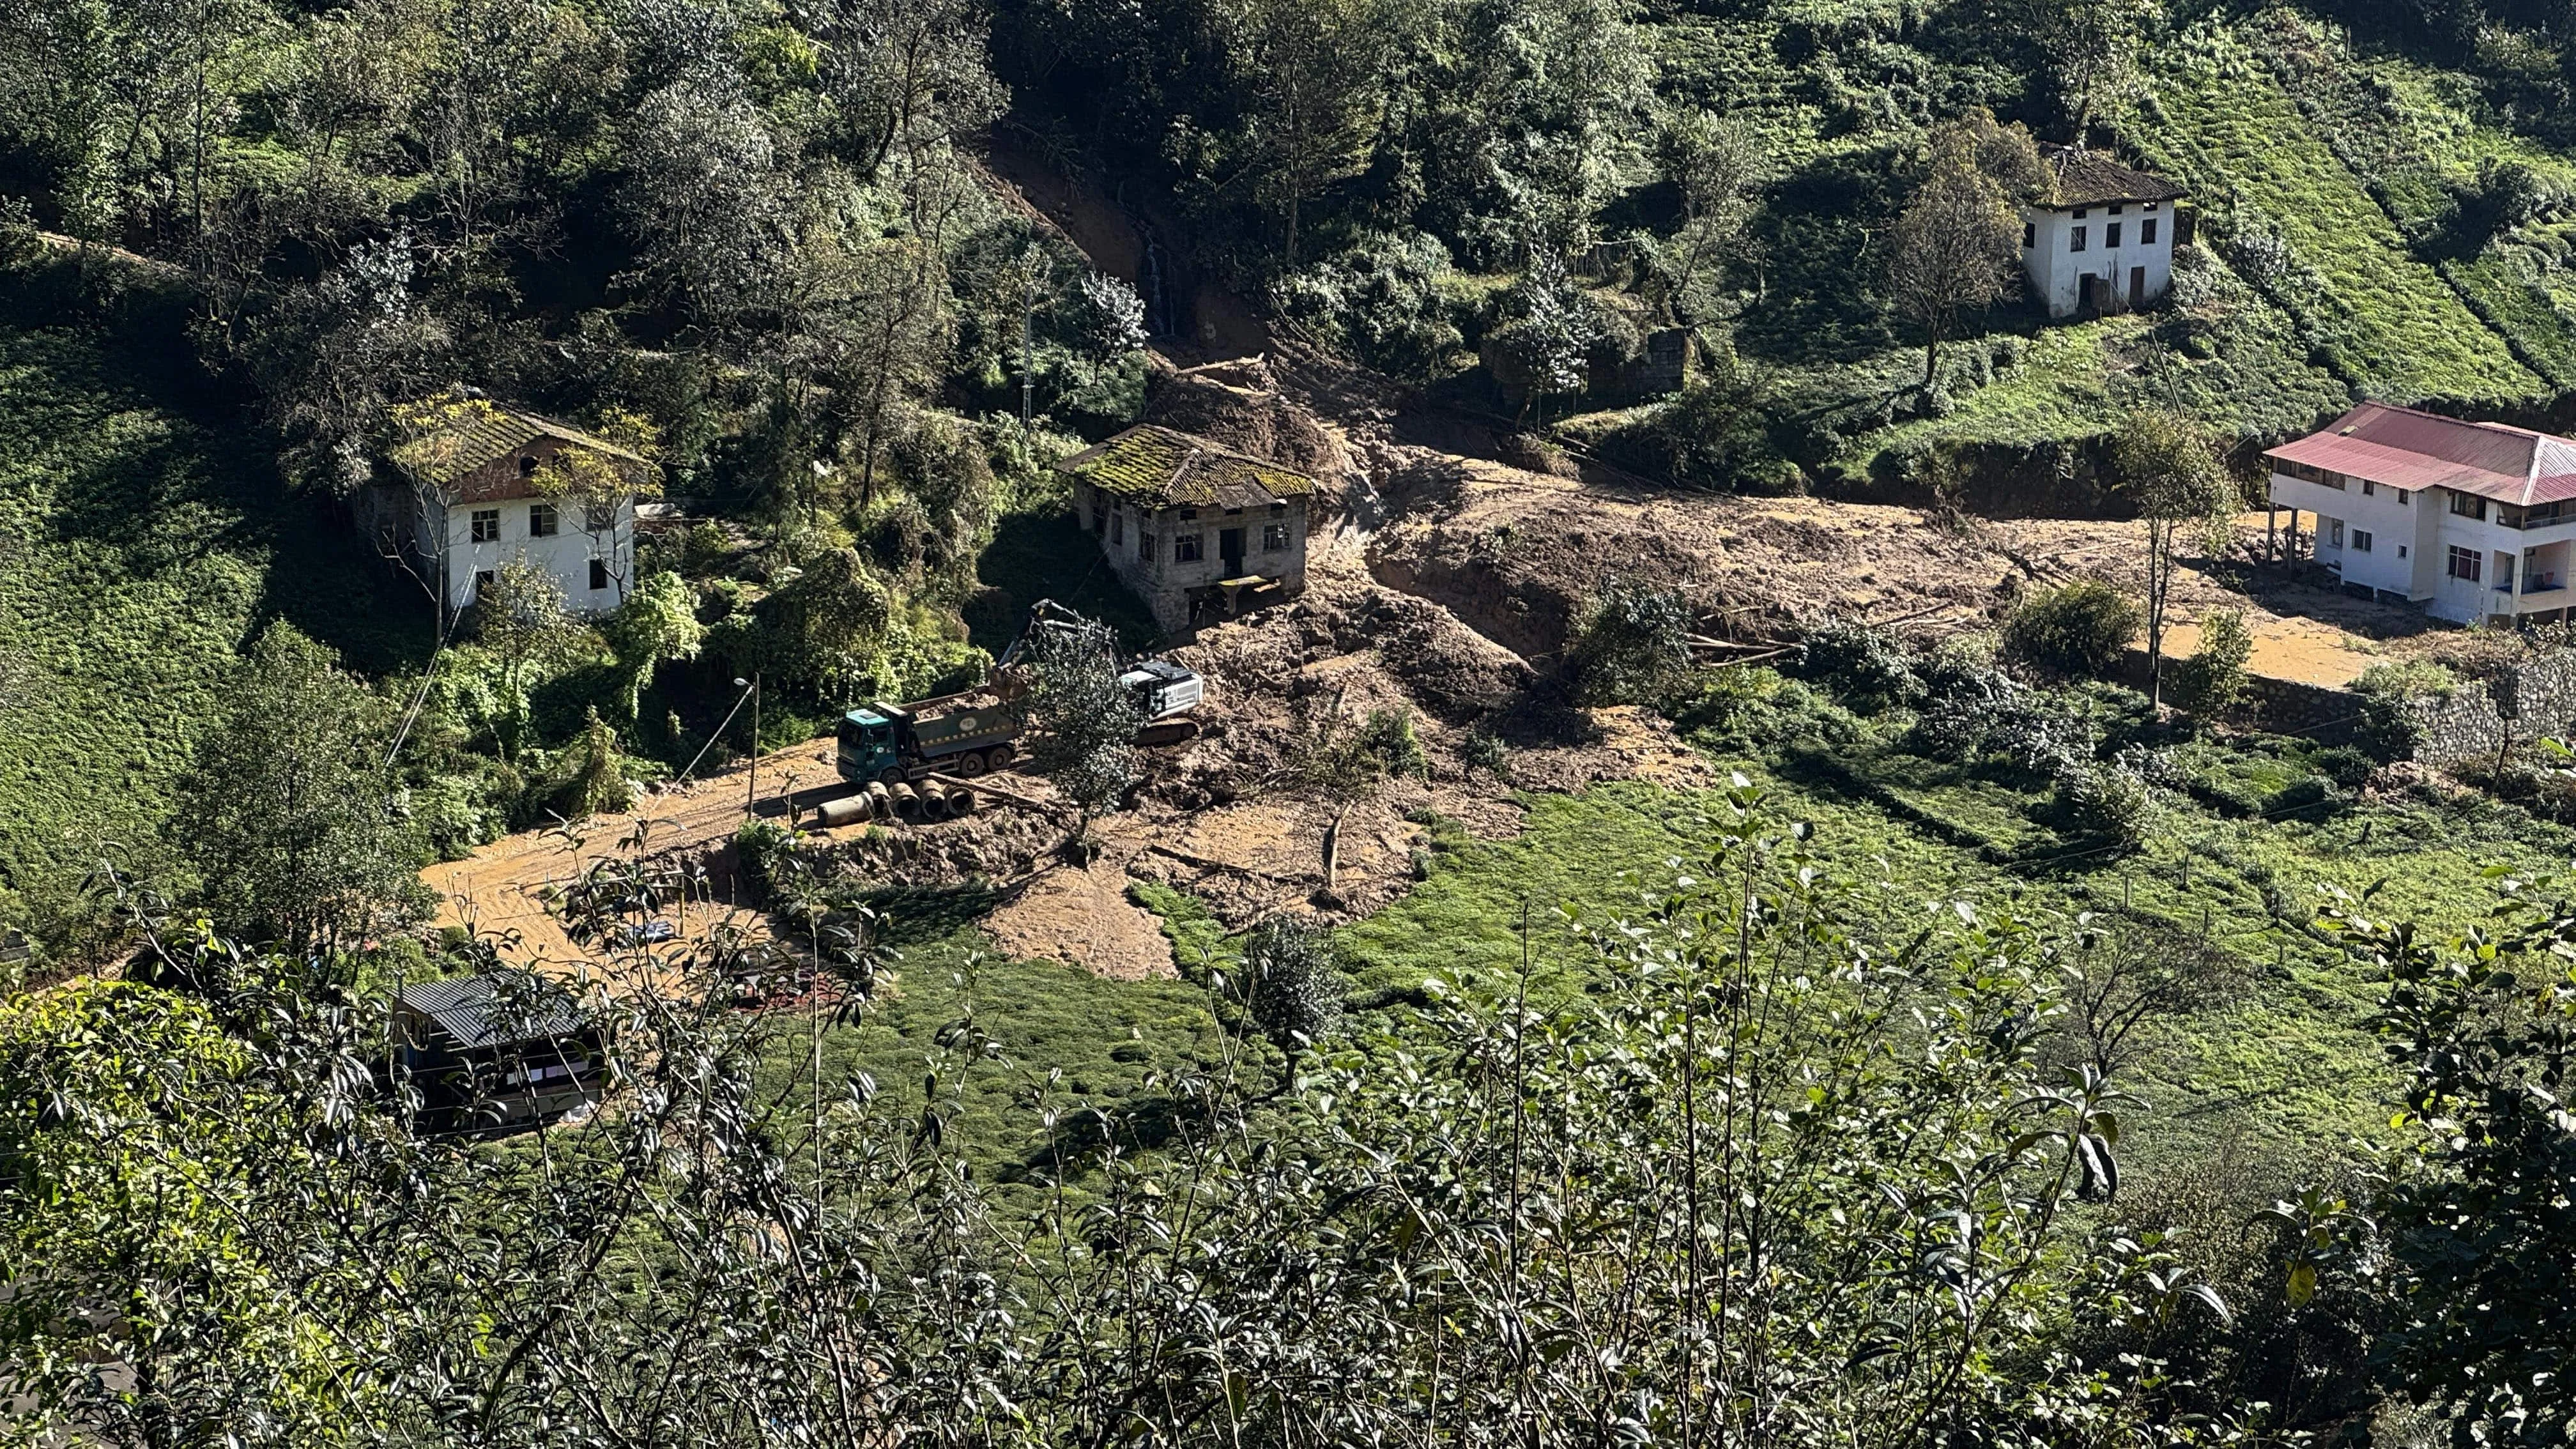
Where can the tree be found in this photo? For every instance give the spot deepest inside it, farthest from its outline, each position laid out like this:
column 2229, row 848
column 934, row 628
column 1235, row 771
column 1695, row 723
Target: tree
column 1549, row 336
column 288, row 814
column 2474, row 1220
column 2212, row 680
column 1716, row 164
column 1291, row 987
column 826, row 626
column 2169, row 465
column 1633, row 646
column 520, row 617
column 2080, row 628
column 2093, row 51
column 1956, row 245
column 658, row 622
column 2122, row 982
column 1086, row 722
column 1309, row 66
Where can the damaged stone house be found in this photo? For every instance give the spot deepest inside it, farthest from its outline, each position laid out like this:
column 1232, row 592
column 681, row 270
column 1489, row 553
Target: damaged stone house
column 1199, row 531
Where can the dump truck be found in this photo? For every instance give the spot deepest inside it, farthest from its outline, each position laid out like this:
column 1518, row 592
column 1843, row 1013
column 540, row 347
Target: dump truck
column 969, row 734
column 895, row 743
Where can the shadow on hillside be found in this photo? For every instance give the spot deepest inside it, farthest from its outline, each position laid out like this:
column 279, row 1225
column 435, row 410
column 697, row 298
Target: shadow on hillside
column 1049, row 556
column 154, row 458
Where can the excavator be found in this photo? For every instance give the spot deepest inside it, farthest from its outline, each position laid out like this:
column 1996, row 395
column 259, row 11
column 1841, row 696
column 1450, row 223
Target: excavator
column 970, row 733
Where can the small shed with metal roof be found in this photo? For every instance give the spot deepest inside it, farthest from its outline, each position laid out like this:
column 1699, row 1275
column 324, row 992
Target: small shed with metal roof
column 2104, row 240
column 496, row 1051
column 1198, row 530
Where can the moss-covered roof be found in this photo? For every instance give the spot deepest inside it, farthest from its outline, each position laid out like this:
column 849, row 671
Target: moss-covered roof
column 1161, row 467
column 2090, row 178
column 451, row 439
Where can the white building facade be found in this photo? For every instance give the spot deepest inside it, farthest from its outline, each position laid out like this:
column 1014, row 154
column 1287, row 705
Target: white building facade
column 476, row 498
column 2471, row 521
column 2107, row 243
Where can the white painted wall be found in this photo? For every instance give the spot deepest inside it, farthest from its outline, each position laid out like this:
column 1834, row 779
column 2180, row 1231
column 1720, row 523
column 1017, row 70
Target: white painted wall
column 2057, row 270
column 566, row 554
column 2424, row 525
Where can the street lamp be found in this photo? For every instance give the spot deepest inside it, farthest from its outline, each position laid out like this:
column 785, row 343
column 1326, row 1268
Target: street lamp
column 751, row 790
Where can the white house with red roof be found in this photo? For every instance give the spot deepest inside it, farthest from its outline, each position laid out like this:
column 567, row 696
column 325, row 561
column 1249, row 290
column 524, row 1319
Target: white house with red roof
column 2471, row 520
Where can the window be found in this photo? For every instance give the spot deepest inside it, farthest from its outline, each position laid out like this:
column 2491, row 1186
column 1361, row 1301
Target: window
column 1097, row 523
column 482, row 581
column 2404, row 498
column 2079, row 213
column 2147, row 232
column 2465, row 563
column 542, row 520
column 1274, row 537
column 487, row 525
column 2361, row 540
column 2334, row 533
column 1145, row 547
column 2368, row 488
column 2112, row 210
column 2111, row 233
column 1189, row 515
column 2150, row 206
column 527, row 465
column 2075, row 237
column 2401, row 550
column 1185, row 547
column 2029, row 235
column 599, row 573
column 2468, row 505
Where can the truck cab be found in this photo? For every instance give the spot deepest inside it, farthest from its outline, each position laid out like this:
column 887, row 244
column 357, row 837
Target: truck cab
column 868, row 747
column 1161, row 688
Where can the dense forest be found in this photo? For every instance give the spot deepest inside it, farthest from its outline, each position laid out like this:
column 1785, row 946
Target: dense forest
column 1987, row 1053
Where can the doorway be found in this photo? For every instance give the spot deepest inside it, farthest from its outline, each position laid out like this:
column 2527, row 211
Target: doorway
column 2137, row 286
column 1229, row 547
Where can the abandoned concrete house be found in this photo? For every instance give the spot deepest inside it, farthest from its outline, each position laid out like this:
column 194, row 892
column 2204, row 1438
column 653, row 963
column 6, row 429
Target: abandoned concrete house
column 1199, row 531
column 2106, row 243
column 501, row 1050
column 482, row 485
column 2472, row 521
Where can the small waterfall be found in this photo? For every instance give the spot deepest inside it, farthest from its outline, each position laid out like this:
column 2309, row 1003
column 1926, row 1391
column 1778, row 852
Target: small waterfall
column 1158, row 303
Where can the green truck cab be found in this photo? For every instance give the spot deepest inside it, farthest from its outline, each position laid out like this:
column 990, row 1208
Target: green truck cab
column 891, row 743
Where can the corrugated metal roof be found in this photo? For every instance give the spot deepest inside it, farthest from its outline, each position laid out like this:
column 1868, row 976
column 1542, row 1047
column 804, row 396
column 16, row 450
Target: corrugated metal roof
column 1161, row 467
column 2090, row 178
column 497, row 1007
column 2407, row 449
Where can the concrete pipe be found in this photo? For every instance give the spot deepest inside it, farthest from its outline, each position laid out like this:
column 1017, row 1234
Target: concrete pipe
column 847, row 810
column 962, row 802
column 907, row 802
column 934, row 804
column 880, row 801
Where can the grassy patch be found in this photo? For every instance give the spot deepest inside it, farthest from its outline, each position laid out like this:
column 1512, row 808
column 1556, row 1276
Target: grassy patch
column 144, row 537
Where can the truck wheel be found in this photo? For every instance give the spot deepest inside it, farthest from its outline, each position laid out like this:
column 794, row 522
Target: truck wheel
column 998, row 758
column 969, row 765
column 892, row 775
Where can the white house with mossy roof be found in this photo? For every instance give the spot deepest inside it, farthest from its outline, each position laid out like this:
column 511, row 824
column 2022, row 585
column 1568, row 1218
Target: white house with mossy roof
column 2472, row 521
column 1198, row 530
column 2106, row 242
column 480, row 485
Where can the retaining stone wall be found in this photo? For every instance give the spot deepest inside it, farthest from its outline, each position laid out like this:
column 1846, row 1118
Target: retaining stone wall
column 2528, row 700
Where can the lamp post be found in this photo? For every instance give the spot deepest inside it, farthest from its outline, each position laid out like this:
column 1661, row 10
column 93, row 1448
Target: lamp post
column 751, row 790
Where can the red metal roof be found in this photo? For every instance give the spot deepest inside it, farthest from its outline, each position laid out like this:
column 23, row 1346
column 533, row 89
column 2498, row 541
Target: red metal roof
column 2406, row 449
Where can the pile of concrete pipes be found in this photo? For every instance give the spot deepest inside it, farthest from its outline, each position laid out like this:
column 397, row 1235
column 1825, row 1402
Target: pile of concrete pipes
column 910, row 803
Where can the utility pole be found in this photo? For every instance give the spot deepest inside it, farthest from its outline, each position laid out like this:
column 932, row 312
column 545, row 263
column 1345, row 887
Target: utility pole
column 751, row 790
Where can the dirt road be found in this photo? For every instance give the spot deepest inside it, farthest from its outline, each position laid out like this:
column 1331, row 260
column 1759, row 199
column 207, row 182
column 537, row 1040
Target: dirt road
column 501, row 887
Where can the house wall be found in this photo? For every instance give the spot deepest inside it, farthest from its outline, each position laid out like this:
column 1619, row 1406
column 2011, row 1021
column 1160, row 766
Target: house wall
column 2057, row 271
column 566, row 555
column 2423, row 524
column 1163, row 581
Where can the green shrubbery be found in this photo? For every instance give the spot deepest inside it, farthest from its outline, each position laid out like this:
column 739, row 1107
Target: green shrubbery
column 2082, row 628
column 1633, row 647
